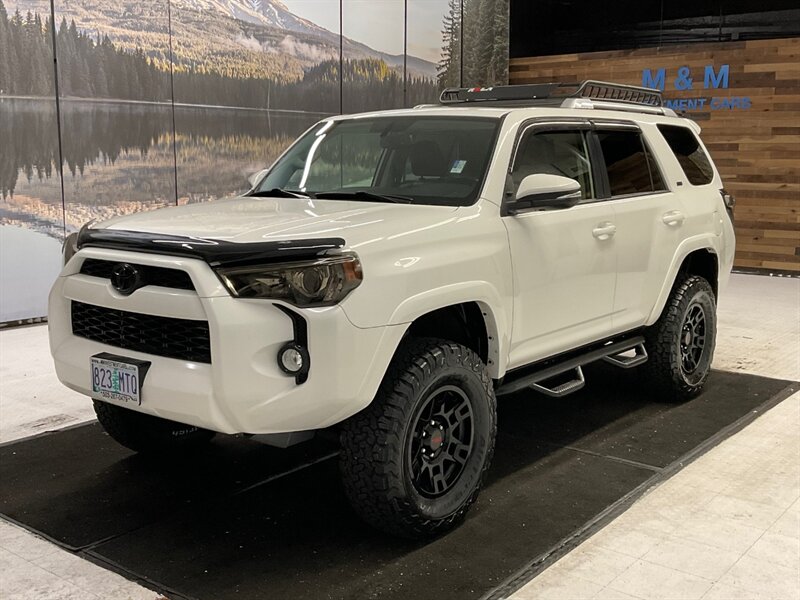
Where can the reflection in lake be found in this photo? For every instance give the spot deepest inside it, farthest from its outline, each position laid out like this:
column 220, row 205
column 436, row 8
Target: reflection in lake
column 119, row 157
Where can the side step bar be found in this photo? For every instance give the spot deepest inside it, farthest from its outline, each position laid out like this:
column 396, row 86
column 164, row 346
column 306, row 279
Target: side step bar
column 563, row 389
column 612, row 353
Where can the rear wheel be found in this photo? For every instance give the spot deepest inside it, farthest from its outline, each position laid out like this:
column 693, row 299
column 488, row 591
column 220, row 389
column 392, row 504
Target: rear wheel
column 414, row 460
column 681, row 343
column 146, row 433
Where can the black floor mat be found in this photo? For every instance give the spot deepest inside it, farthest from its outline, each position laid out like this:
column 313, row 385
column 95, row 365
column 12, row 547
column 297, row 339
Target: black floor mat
column 219, row 524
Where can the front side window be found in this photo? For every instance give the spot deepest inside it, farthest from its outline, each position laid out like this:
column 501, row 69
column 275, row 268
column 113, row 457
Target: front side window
column 561, row 153
column 630, row 167
column 416, row 159
column 689, row 152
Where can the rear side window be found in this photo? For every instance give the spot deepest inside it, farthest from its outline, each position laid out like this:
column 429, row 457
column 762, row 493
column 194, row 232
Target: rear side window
column 689, row 152
column 630, row 166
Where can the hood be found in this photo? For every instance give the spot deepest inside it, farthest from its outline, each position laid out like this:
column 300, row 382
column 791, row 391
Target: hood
column 247, row 219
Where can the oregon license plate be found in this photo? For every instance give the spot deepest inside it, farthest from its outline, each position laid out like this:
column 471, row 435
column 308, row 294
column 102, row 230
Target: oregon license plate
column 117, row 379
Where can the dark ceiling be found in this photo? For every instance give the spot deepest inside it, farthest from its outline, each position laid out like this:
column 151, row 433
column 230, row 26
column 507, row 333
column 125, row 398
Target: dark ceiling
column 544, row 27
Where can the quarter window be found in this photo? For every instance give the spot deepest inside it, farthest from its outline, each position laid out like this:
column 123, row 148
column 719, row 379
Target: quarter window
column 689, row 152
column 561, row 153
column 630, row 166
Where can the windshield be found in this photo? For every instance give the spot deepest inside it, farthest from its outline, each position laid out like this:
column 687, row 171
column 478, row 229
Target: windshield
column 416, row 159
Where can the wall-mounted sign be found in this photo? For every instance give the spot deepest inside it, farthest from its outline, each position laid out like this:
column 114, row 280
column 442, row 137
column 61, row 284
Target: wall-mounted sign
column 684, row 80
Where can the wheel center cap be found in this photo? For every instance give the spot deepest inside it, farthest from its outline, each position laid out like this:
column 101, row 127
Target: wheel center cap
column 687, row 338
column 434, row 436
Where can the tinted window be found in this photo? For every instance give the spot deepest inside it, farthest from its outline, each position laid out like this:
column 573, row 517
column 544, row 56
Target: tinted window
column 626, row 160
column 555, row 153
column 689, row 152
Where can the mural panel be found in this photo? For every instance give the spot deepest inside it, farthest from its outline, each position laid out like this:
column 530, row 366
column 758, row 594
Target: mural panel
column 249, row 76
column 373, row 55
column 434, row 34
column 31, row 214
column 485, row 31
column 116, row 120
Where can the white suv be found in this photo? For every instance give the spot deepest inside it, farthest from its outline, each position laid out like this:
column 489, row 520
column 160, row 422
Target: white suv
column 393, row 272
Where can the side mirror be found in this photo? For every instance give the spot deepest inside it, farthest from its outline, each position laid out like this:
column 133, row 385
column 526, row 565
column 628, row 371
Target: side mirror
column 542, row 191
column 255, row 177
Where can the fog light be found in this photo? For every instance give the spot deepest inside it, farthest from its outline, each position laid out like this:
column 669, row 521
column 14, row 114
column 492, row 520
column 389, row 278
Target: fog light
column 292, row 358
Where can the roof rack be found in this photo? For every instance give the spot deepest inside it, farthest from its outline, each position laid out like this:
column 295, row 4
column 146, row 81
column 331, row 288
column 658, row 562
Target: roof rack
column 586, row 94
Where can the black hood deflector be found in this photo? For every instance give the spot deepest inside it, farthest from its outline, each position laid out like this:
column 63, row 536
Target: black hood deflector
column 216, row 253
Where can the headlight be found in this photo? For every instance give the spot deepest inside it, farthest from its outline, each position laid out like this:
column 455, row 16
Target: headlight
column 322, row 282
column 70, row 247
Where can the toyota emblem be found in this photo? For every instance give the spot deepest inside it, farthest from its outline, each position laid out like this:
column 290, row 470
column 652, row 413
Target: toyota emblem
column 125, row 278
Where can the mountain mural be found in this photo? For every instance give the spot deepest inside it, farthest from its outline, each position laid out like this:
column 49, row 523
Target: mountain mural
column 164, row 102
column 236, row 38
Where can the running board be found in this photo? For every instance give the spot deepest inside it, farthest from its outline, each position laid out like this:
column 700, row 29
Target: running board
column 626, row 362
column 612, row 353
column 563, row 389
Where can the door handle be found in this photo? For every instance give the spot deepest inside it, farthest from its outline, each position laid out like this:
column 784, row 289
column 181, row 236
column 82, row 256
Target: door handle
column 604, row 231
column 673, row 218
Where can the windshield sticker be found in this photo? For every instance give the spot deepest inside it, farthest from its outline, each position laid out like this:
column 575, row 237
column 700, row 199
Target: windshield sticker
column 458, row 166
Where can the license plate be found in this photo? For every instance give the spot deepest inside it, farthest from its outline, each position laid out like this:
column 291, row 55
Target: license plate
column 117, row 378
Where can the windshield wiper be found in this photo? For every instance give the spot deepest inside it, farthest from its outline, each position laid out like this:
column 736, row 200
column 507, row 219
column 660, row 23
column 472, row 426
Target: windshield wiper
column 369, row 196
column 279, row 193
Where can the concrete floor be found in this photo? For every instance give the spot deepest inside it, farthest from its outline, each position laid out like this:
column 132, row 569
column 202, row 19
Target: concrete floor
column 725, row 527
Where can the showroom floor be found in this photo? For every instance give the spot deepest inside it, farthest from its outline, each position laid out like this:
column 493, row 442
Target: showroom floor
column 726, row 526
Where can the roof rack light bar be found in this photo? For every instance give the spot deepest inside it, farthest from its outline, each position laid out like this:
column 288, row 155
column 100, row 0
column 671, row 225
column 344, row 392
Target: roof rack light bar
column 590, row 89
column 617, row 92
column 500, row 93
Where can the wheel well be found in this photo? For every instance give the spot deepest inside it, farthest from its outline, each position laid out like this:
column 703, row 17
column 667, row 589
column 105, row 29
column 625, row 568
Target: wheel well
column 704, row 264
column 460, row 323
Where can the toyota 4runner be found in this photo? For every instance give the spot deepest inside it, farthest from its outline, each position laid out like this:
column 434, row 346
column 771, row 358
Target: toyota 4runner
column 393, row 273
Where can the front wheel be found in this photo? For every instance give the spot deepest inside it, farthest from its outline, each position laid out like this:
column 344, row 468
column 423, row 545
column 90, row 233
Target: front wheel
column 413, row 462
column 681, row 343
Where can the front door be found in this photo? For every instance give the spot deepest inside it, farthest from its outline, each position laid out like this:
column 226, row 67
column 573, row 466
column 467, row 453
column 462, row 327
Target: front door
column 565, row 259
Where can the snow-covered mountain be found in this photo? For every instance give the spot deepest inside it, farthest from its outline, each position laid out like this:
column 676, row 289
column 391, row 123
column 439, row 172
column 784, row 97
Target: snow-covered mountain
column 271, row 13
column 275, row 14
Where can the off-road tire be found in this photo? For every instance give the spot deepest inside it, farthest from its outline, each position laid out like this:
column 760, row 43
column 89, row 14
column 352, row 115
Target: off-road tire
column 375, row 461
column 664, row 371
column 146, row 433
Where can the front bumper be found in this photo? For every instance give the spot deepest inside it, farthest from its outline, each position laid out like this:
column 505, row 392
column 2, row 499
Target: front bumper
column 242, row 389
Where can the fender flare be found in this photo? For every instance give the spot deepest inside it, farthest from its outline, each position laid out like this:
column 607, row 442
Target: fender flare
column 701, row 242
column 484, row 295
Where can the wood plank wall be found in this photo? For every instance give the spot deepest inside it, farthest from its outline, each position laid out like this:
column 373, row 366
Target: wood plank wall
column 757, row 150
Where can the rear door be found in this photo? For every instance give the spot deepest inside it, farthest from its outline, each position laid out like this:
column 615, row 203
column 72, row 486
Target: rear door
column 649, row 217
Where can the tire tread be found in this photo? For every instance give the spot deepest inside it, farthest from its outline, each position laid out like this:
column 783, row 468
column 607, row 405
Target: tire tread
column 372, row 440
column 663, row 365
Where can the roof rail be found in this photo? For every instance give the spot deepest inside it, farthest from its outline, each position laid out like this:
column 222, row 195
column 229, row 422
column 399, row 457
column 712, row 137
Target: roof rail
column 586, row 94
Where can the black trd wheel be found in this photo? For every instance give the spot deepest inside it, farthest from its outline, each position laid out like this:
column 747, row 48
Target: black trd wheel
column 413, row 461
column 146, row 433
column 681, row 342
